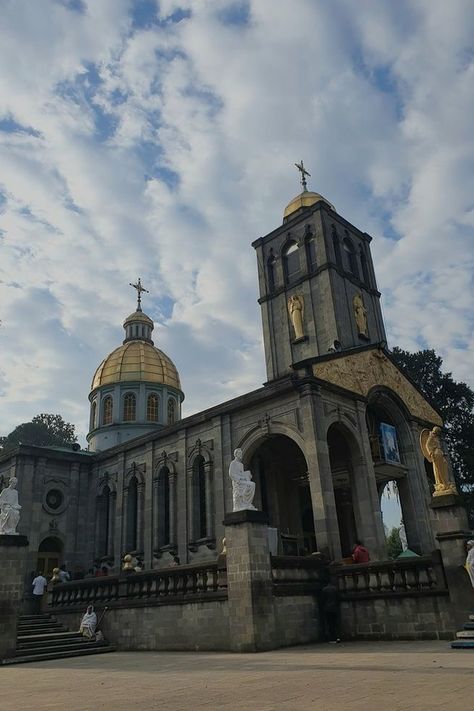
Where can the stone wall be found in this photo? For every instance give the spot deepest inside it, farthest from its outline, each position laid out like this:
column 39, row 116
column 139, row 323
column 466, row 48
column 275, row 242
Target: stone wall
column 198, row 626
column 297, row 620
column 423, row 617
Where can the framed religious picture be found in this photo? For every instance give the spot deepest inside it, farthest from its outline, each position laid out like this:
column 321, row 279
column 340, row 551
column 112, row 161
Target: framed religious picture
column 388, row 435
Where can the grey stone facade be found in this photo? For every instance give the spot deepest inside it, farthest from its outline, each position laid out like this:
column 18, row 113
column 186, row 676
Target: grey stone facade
column 308, row 440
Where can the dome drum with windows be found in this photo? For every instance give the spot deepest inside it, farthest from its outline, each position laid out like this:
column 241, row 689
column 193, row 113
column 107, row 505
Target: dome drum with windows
column 135, row 389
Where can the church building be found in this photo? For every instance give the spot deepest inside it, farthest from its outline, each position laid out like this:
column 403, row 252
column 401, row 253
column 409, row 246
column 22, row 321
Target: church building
column 335, row 422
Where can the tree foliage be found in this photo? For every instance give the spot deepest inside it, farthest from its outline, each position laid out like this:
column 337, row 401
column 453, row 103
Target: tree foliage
column 455, row 403
column 393, row 543
column 44, row 430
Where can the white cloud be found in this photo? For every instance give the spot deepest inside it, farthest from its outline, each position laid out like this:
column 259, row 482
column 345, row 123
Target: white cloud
column 165, row 150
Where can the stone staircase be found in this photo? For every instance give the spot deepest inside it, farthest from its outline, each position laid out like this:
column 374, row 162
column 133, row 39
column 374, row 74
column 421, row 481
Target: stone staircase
column 42, row 637
column 465, row 638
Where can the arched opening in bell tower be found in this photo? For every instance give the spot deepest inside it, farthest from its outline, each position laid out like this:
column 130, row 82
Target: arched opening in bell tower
column 341, row 458
column 280, row 472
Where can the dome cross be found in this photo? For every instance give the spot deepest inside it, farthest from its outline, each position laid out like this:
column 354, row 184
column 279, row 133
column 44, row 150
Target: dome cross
column 304, row 173
column 140, row 289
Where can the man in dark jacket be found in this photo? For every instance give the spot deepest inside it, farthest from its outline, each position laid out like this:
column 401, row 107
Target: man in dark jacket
column 330, row 609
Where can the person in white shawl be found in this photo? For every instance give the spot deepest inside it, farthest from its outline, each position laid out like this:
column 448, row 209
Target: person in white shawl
column 88, row 623
column 470, row 560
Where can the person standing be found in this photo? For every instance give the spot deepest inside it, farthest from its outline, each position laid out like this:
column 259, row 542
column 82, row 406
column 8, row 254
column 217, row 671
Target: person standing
column 330, row 609
column 39, row 586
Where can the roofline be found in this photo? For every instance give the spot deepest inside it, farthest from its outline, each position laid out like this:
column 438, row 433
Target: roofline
column 50, row 452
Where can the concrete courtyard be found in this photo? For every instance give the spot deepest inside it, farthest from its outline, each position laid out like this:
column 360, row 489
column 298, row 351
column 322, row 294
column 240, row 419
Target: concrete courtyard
column 371, row 676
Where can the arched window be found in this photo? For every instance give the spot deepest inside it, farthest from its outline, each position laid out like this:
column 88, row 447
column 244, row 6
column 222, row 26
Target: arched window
column 129, row 407
column 351, row 257
column 163, row 510
column 171, row 411
column 336, row 247
column 152, row 408
column 365, row 269
column 103, row 515
column 271, row 271
column 107, row 406
column 93, row 414
column 132, row 514
column 291, row 262
column 310, row 246
column 199, row 498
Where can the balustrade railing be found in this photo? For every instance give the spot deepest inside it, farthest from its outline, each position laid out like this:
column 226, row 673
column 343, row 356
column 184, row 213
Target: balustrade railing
column 423, row 575
column 161, row 585
column 294, row 575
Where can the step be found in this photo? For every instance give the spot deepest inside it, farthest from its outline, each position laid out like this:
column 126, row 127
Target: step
column 59, row 655
column 43, row 623
column 64, row 647
column 45, row 636
column 469, row 626
column 465, row 634
column 463, row 644
column 471, row 617
column 27, row 631
column 36, row 618
column 47, row 643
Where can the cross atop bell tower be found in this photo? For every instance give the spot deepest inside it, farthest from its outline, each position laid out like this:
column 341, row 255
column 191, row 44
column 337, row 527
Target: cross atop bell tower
column 303, row 174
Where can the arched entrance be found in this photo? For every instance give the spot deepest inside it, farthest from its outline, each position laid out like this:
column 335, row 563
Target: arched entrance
column 342, row 470
column 49, row 555
column 280, row 472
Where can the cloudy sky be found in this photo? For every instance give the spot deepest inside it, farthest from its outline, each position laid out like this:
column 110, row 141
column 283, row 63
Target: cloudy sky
column 157, row 139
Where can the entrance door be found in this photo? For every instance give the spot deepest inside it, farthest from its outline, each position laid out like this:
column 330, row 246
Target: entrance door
column 282, row 491
column 49, row 556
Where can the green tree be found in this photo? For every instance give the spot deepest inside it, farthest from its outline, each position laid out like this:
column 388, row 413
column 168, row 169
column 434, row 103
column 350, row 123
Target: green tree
column 455, row 403
column 393, row 543
column 44, row 430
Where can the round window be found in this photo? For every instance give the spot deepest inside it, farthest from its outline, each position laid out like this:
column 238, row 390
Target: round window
column 54, row 499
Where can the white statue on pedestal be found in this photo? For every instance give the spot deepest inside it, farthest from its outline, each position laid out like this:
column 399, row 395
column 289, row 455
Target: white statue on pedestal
column 9, row 509
column 243, row 488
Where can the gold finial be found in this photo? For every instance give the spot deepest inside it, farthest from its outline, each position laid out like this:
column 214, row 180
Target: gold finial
column 140, row 289
column 304, row 173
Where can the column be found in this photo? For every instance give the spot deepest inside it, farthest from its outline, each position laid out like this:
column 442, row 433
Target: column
column 249, row 582
column 125, row 521
column 13, row 550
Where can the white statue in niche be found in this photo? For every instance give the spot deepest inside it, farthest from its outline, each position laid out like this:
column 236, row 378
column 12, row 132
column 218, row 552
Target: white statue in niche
column 243, row 488
column 9, row 509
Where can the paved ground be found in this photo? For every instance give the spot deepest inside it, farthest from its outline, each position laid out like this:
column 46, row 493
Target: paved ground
column 371, row 676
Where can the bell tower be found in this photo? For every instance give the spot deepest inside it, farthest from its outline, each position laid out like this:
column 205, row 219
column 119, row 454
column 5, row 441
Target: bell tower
column 317, row 284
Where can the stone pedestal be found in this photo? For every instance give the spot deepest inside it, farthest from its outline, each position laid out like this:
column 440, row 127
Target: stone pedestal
column 13, row 551
column 249, row 582
column 451, row 527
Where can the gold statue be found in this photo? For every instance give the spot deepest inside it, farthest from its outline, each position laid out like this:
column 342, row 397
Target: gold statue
column 430, row 443
column 295, row 309
column 360, row 314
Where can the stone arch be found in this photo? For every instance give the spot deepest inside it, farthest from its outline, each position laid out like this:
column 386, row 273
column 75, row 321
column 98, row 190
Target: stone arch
column 252, row 439
column 50, row 552
column 200, row 478
column 279, row 466
column 409, row 473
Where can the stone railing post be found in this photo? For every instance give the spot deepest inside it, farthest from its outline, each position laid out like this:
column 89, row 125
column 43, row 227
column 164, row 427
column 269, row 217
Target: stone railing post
column 249, row 582
column 451, row 527
column 13, row 551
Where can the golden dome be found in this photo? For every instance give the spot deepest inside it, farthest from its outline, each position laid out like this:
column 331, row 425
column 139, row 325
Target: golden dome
column 138, row 316
column 304, row 199
column 136, row 360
